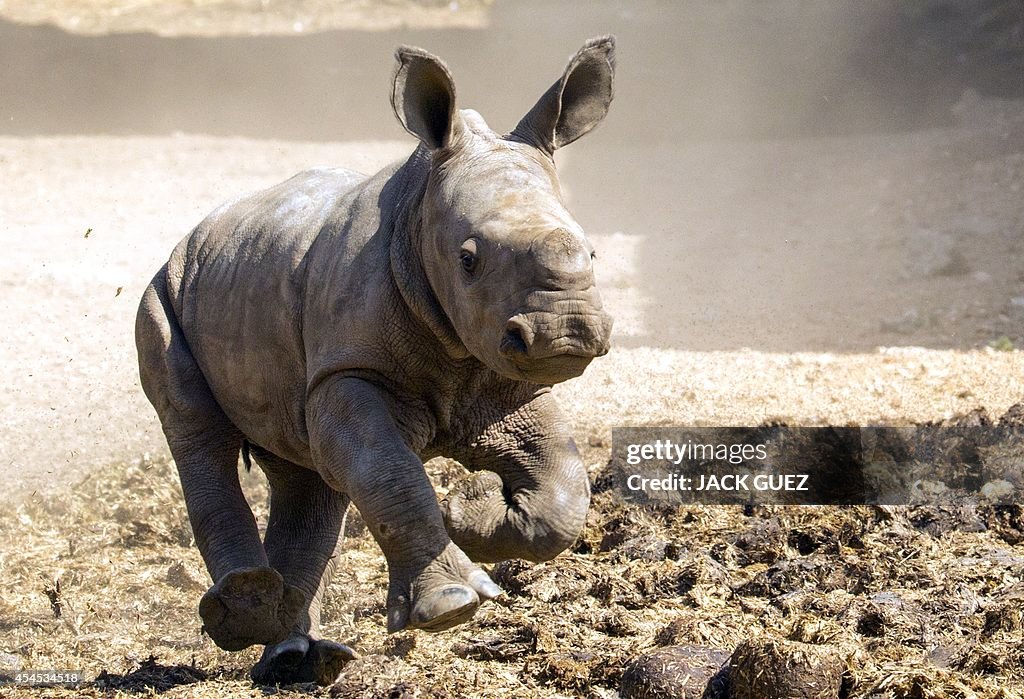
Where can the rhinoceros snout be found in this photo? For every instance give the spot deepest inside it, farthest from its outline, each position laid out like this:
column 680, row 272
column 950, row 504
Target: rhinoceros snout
column 545, row 337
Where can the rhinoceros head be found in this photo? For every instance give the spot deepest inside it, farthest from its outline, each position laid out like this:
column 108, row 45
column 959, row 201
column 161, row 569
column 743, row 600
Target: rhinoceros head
column 506, row 260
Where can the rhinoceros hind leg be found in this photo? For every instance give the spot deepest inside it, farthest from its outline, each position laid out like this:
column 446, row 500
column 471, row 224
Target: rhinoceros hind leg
column 250, row 606
column 249, row 602
column 302, row 659
column 304, row 533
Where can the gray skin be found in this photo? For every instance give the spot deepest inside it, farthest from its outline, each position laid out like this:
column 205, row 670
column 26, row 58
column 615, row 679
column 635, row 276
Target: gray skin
column 342, row 329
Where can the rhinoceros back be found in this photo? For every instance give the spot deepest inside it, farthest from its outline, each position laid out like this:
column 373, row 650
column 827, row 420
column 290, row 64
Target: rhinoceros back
column 236, row 283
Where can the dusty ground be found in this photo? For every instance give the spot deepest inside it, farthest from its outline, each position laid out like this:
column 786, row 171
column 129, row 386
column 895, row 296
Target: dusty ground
column 871, row 269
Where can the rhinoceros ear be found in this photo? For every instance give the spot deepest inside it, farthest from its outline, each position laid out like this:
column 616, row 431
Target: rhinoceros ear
column 423, row 96
column 576, row 103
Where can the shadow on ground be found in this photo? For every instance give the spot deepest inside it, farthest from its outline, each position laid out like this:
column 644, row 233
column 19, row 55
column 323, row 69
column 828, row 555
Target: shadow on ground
column 150, row 677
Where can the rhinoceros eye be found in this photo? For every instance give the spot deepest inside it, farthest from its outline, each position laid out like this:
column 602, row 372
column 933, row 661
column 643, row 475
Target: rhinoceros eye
column 468, row 257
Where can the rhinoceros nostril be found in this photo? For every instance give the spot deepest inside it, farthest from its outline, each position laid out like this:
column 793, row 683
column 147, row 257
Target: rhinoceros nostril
column 516, row 339
column 513, row 342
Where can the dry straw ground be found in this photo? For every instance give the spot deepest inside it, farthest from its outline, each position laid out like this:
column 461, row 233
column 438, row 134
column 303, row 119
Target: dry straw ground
column 920, row 602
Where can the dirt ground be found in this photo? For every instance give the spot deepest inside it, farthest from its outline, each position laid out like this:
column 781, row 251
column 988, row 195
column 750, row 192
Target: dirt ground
column 785, row 232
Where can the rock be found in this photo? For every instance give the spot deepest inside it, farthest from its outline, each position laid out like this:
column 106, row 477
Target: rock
column 677, row 672
column 9, row 664
column 997, row 489
column 769, row 668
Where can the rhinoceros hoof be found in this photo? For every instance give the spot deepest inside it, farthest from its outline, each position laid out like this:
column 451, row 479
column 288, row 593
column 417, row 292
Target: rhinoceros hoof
column 300, row 659
column 250, row 606
column 440, row 603
column 442, row 609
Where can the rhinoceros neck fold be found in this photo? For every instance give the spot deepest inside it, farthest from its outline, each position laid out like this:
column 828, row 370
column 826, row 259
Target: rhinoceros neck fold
column 406, row 261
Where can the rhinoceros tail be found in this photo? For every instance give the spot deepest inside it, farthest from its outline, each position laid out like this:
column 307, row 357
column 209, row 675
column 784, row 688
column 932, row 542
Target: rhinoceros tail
column 247, row 455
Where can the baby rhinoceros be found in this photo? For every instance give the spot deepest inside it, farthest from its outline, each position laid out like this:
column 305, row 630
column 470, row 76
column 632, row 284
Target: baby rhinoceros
column 341, row 329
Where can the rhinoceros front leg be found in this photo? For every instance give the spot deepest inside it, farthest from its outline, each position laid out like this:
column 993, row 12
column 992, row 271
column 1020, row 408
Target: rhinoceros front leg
column 358, row 449
column 303, row 540
column 531, row 496
column 249, row 602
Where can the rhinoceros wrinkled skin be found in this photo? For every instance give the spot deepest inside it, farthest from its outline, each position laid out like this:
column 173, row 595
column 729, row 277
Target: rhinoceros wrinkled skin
column 342, row 329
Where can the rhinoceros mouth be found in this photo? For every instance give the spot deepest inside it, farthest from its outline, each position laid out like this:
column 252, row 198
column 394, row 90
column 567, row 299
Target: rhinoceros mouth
column 550, row 370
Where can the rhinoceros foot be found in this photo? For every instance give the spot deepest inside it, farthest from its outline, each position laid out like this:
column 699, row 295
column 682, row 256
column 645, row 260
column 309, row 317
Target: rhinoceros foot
column 250, row 606
column 302, row 659
column 446, row 593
